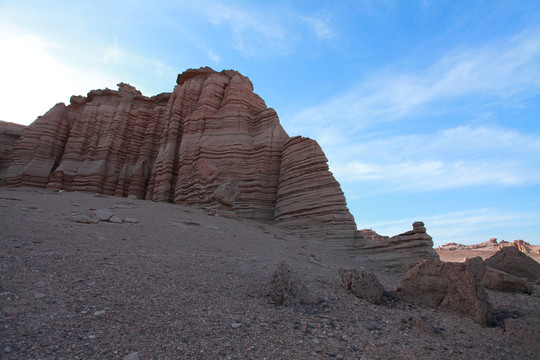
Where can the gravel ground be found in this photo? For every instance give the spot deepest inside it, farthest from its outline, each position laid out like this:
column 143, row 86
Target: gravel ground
column 180, row 284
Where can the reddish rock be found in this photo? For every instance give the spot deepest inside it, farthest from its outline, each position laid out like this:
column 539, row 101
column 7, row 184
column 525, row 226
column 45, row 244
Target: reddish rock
column 514, row 262
column 498, row 280
column 364, row 285
column 477, row 267
column 309, row 198
column 450, row 287
column 9, row 134
column 211, row 143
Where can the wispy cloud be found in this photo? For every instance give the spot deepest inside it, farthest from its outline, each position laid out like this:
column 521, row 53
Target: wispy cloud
column 116, row 55
column 451, row 158
column 260, row 31
column 320, row 26
column 503, row 72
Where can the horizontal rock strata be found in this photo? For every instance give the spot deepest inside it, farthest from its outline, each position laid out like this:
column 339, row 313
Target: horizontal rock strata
column 211, row 143
column 304, row 180
column 9, row 134
column 398, row 250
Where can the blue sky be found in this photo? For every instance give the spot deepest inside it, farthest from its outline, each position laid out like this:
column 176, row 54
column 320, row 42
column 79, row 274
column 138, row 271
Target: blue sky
column 427, row 110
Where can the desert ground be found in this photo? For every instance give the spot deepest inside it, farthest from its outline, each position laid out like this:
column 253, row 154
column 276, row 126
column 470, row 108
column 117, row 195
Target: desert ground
column 177, row 283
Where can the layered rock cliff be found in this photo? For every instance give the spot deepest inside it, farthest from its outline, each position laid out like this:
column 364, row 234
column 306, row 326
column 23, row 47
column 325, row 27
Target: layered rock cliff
column 211, row 143
column 9, row 134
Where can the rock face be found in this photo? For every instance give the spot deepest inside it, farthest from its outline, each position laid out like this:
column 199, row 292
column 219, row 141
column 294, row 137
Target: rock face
column 305, row 180
column 450, row 287
column 514, row 262
column 398, row 250
column 211, row 143
column 364, row 285
column 9, row 134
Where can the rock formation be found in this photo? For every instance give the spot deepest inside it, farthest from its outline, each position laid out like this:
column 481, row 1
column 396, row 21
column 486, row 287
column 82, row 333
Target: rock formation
column 211, row 143
column 305, row 180
column 514, row 262
column 450, row 287
column 493, row 245
column 9, row 134
column 398, row 250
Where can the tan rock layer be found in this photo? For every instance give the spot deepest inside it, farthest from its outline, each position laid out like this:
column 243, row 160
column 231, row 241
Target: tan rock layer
column 9, row 134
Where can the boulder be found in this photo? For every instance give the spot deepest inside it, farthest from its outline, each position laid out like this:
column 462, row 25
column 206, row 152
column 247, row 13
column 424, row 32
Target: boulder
column 512, row 261
column 498, row 280
column 364, row 285
column 285, row 288
column 450, row 287
column 477, row 267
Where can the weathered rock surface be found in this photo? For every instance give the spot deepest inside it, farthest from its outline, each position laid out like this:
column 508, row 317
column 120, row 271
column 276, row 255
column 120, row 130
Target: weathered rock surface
column 211, row 143
column 304, row 180
column 514, row 262
column 450, row 287
column 399, row 250
column 364, row 285
column 9, row 134
column 500, row 281
column 285, row 288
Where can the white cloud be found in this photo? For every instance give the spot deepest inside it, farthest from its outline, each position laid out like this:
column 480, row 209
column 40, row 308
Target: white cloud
column 504, row 72
column 320, row 26
column 451, row 158
column 253, row 30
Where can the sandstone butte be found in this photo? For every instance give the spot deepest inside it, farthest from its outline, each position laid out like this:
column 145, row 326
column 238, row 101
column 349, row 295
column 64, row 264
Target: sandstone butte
column 211, row 143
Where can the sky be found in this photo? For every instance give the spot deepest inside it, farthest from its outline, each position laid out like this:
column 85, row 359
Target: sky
column 426, row 109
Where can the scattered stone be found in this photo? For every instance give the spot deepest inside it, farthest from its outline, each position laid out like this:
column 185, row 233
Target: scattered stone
column 39, row 295
column 132, row 356
column 423, row 325
column 512, row 261
column 84, row 219
column 284, row 287
column 450, row 287
column 99, row 312
column 115, row 219
column 364, row 285
column 131, row 220
column 103, row 214
column 236, row 325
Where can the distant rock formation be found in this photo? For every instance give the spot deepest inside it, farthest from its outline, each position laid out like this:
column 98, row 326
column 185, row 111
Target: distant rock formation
column 211, row 143
column 493, row 245
column 9, row 134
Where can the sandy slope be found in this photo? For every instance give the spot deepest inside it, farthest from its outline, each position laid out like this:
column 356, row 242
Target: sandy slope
column 180, row 284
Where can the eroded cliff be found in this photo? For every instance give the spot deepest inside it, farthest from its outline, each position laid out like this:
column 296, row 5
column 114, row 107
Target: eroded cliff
column 211, row 143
